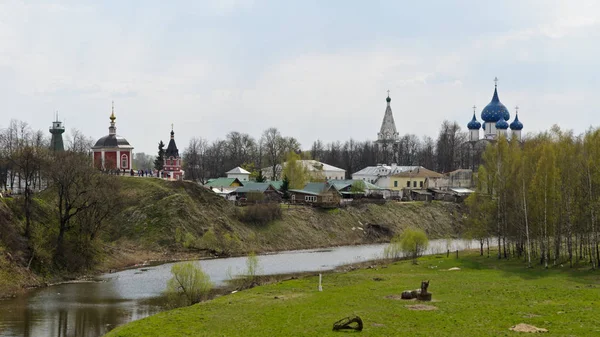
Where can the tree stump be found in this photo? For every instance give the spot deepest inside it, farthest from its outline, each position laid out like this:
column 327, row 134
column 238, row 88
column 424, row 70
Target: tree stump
column 348, row 323
column 423, row 294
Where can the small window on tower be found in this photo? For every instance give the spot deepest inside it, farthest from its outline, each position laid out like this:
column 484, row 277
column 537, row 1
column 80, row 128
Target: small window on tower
column 124, row 161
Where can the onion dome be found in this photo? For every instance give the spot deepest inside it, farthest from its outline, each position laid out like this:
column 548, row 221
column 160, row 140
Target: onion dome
column 474, row 124
column 112, row 140
column 495, row 109
column 516, row 124
column 502, row 124
column 172, row 150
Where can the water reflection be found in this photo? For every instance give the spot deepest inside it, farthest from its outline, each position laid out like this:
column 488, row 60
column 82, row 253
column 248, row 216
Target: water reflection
column 92, row 309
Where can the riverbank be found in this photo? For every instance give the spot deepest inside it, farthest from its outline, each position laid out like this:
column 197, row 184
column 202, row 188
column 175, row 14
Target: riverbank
column 165, row 221
column 485, row 297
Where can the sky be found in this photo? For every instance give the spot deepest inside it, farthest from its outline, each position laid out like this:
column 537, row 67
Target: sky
column 313, row 69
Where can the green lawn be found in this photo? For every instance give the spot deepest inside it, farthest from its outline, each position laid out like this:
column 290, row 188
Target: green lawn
column 484, row 298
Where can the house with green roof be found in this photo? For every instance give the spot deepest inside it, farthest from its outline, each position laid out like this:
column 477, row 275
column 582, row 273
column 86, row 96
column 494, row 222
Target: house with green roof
column 269, row 192
column 223, row 183
column 345, row 187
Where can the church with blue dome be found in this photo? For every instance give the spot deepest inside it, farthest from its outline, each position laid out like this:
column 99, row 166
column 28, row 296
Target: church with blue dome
column 495, row 118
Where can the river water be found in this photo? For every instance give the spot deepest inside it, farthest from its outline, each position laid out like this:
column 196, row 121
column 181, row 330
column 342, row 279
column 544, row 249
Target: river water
column 93, row 308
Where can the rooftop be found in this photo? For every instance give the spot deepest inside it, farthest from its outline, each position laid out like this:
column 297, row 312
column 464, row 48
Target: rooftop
column 384, row 170
column 222, row 182
column 237, row 170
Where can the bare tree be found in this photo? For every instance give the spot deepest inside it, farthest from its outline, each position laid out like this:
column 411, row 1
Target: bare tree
column 79, row 143
column 195, row 160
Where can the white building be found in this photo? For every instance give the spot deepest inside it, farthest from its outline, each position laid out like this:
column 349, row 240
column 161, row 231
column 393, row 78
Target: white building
column 381, row 174
column 239, row 173
column 314, row 167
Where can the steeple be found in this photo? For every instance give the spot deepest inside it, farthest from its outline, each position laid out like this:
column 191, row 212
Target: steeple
column 388, row 132
column 112, row 129
column 172, row 150
column 57, row 129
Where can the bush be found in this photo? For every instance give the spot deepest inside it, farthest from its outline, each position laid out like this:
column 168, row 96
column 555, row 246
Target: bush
column 250, row 277
column 261, row 214
column 411, row 243
column 189, row 283
column 252, row 266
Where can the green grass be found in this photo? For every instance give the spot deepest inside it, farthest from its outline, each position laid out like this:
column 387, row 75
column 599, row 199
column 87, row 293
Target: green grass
column 484, row 298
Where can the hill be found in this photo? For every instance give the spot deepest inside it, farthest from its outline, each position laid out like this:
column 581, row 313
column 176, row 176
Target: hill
column 163, row 220
column 161, row 214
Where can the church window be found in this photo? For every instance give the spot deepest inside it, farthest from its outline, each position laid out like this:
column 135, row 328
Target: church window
column 124, row 161
column 396, row 183
column 408, row 184
column 420, row 184
column 414, row 184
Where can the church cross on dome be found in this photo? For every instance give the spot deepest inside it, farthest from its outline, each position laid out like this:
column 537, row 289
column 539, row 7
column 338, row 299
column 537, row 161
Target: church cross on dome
column 517, row 110
column 496, row 81
column 474, row 109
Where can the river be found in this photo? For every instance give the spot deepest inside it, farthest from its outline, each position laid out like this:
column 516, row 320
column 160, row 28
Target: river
column 91, row 309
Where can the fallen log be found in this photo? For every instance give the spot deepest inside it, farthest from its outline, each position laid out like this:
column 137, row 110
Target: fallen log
column 348, row 323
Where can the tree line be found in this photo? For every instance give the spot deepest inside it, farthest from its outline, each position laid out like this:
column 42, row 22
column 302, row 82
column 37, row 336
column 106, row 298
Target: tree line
column 203, row 159
column 539, row 200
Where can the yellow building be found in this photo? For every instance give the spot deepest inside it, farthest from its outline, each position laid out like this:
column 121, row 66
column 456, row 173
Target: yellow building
column 417, row 178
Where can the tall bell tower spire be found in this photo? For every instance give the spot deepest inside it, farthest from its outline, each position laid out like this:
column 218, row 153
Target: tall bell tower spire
column 388, row 132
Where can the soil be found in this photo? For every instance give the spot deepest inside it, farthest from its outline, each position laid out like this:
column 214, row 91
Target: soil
column 421, row 307
column 522, row 327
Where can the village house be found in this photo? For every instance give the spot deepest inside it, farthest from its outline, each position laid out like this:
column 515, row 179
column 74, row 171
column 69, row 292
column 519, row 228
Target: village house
column 238, row 173
column 316, row 169
column 417, row 178
column 323, row 194
column 457, row 178
column 347, row 189
column 223, row 183
column 381, row 176
column 267, row 191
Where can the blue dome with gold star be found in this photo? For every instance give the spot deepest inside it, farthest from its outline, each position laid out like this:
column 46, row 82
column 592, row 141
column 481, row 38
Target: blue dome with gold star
column 474, row 124
column 495, row 110
column 516, row 124
column 502, row 124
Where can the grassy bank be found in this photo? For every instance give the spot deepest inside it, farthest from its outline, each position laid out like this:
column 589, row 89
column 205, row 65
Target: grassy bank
column 164, row 221
column 484, row 298
column 175, row 215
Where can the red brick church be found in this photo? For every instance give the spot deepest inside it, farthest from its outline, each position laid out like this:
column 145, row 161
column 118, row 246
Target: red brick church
column 113, row 151
column 172, row 160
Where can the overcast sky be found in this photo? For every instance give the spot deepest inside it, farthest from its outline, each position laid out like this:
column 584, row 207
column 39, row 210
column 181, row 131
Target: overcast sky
column 314, row 69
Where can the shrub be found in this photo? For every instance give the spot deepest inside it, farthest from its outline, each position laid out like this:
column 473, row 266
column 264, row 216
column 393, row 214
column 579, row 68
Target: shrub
column 249, row 277
column 252, row 266
column 411, row 243
column 261, row 214
column 189, row 283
